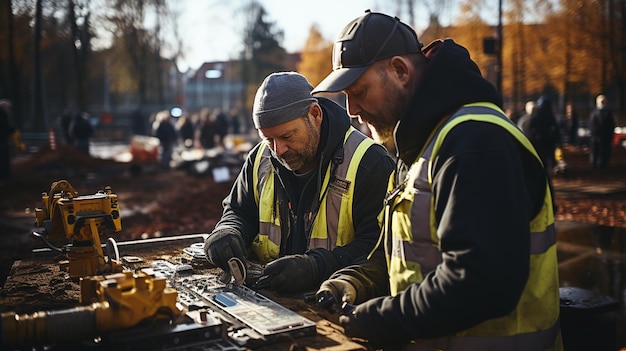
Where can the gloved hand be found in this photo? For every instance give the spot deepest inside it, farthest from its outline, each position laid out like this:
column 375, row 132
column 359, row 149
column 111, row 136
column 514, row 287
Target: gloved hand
column 352, row 325
column 289, row 274
column 358, row 322
column 336, row 291
column 333, row 292
column 223, row 245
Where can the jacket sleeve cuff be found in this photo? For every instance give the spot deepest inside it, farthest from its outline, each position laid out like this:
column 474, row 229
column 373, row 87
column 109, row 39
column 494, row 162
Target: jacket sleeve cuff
column 326, row 263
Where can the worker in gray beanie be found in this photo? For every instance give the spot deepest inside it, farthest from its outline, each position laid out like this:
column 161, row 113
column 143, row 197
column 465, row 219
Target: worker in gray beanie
column 280, row 98
column 307, row 198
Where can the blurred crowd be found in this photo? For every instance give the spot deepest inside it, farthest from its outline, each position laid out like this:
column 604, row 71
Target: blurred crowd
column 549, row 131
column 204, row 129
column 208, row 128
column 76, row 129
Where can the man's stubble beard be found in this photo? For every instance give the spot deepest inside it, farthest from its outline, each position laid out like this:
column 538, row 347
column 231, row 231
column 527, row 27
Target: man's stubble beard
column 384, row 128
column 309, row 152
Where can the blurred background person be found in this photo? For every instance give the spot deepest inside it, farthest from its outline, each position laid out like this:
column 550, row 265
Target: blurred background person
column 186, row 130
column 523, row 121
column 220, row 126
column 206, row 130
column 544, row 132
column 166, row 133
column 235, row 123
column 65, row 119
column 601, row 127
column 81, row 131
column 572, row 124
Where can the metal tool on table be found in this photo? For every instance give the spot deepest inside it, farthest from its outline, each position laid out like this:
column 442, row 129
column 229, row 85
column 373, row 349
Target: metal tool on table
column 195, row 251
column 236, row 273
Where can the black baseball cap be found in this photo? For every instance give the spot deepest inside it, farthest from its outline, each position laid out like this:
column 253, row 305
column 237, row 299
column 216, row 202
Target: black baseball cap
column 365, row 40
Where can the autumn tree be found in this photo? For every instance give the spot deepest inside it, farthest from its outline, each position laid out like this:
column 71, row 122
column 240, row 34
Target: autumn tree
column 609, row 35
column 56, row 62
column 39, row 120
column 50, row 68
column 80, row 39
column 406, row 9
column 513, row 55
column 315, row 58
column 569, row 50
column 470, row 32
column 263, row 52
column 570, row 26
column 136, row 58
column 617, row 49
column 9, row 81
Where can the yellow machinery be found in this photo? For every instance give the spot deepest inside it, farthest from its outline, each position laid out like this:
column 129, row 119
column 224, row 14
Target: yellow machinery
column 108, row 303
column 78, row 221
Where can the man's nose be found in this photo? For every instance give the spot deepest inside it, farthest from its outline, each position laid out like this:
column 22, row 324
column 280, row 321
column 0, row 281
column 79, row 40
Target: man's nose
column 353, row 108
column 279, row 148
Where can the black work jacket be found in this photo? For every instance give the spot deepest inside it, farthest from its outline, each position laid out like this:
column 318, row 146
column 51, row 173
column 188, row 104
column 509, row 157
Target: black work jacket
column 486, row 188
column 241, row 212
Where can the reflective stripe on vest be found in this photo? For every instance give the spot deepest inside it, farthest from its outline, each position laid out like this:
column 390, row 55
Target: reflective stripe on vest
column 333, row 225
column 413, row 252
column 264, row 245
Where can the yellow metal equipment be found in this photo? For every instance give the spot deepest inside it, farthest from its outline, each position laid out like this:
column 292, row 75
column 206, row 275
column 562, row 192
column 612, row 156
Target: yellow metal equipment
column 109, row 303
column 79, row 221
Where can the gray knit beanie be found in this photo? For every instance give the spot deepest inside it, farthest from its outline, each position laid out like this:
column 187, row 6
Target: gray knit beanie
column 282, row 97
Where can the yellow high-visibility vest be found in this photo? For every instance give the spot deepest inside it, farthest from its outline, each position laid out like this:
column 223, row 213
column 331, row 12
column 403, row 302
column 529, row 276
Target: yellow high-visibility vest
column 333, row 224
column 411, row 228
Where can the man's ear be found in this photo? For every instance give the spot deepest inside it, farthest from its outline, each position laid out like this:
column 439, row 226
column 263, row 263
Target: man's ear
column 315, row 112
column 400, row 68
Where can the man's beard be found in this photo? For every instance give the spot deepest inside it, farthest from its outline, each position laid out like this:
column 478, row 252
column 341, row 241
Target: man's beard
column 383, row 126
column 381, row 135
column 295, row 160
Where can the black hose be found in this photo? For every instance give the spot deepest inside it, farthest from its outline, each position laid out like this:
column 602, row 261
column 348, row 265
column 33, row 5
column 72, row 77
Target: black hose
column 43, row 238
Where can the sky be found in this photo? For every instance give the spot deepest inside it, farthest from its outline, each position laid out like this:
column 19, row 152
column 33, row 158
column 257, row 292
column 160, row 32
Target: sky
column 211, row 29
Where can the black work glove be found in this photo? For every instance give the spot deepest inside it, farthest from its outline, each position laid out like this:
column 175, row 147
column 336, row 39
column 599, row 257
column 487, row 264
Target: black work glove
column 334, row 292
column 364, row 322
column 289, row 274
column 223, row 245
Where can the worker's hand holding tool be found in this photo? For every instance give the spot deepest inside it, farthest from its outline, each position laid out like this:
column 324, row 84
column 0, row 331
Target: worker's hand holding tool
column 333, row 292
column 289, row 274
column 222, row 245
column 354, row 284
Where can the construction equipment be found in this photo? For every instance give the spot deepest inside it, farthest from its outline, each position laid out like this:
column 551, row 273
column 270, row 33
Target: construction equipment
column 164, row 307
column 78, row 222
column 108, row 303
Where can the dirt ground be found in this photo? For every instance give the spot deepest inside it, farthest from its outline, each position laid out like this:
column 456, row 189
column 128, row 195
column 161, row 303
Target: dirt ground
column 158, row 203
column 594, row 196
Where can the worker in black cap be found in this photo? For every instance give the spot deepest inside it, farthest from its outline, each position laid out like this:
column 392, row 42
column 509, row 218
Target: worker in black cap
column 469, row 241
column 308, row 195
